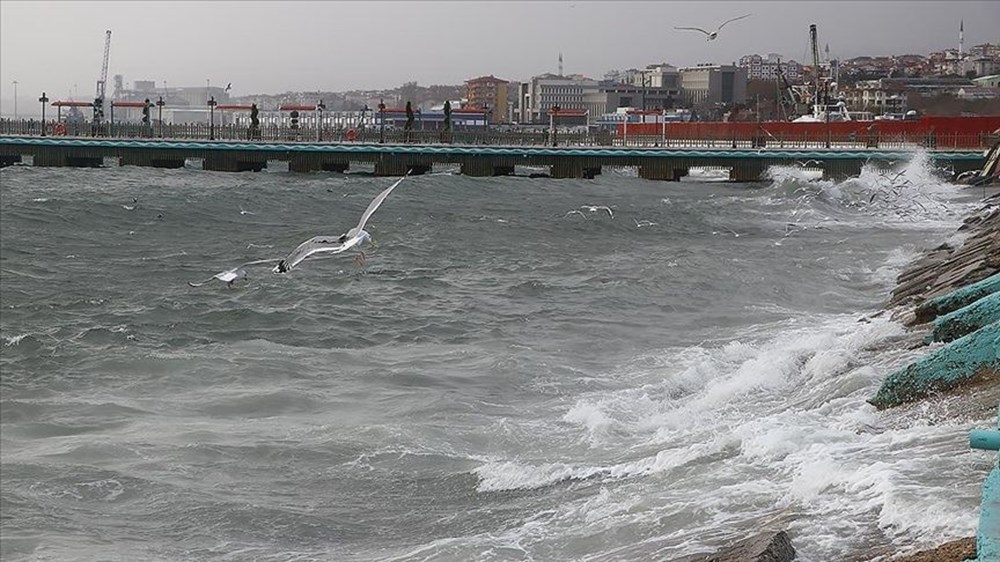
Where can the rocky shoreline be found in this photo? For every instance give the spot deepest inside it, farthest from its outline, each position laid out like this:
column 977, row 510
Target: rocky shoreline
column 950, row 296
column 949, row 300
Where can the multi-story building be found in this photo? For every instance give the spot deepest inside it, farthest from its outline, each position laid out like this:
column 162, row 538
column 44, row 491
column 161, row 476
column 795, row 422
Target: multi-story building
column 760, row 68
column 540, row 94
column 488, row 92
column 713, row 83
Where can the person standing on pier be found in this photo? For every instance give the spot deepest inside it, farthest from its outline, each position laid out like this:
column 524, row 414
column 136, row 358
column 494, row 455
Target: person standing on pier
column 408, row 127
column 254, row 132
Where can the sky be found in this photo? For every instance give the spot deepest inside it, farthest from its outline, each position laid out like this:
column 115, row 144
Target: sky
column 265, row 47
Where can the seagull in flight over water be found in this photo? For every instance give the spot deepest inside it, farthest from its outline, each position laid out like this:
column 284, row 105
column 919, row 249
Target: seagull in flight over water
column 337, row 244
column 318, row 244
column 712, row 35
column 230, row 276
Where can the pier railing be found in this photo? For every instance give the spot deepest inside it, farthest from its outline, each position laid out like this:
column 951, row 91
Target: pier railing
column 496, row 136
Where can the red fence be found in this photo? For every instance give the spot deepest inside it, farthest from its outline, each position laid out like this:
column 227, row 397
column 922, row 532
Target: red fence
column 957, row 132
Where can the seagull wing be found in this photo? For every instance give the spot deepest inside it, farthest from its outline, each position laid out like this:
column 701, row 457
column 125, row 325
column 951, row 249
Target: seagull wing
column 315, row 245
column 376, row 202
column 230, row 274
column 694, row 29
column 734, row 19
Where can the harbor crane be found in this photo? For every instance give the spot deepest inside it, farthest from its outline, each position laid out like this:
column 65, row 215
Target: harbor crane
column 99, row 98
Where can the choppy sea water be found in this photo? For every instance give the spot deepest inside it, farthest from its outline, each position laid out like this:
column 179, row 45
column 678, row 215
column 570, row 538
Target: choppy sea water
column 506, row 379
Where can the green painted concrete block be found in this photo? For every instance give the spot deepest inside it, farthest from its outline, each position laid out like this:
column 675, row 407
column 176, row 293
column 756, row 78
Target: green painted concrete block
column 957, row 299
column 944, row 368
column 967, row 319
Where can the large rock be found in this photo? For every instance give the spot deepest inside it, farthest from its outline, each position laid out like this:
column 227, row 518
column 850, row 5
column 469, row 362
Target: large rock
column 765, row 547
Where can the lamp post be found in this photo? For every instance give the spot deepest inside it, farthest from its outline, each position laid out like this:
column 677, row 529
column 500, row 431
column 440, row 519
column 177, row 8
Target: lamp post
column 44, row 100
column 486, row 111
column 663, row 123
column 211, row 115
column 364, row 112
column 319, row 120
column 552, row 124
column 381, row 122
column 15, row 98
column 159, row 113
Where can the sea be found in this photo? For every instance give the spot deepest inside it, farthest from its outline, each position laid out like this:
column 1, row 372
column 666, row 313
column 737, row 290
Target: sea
column 521, row 369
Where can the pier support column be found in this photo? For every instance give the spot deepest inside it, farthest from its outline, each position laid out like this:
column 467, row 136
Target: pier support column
column 392, row 166
column 230, row 163
column 662, row 172
column 389, row 166
column 339, row 167
column 9, row 160
column 129, row 158
column 747, row 171
column 304, row 163
column 566, row 168
column 841, row 169
column 166, row 163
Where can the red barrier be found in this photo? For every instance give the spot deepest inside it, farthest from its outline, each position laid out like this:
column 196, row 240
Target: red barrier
column 957, row 132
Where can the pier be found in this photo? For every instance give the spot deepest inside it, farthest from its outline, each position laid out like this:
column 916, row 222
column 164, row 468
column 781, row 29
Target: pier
column 746, row 162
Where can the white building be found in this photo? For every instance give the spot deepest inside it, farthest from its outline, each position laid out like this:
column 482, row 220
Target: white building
column 760, row 68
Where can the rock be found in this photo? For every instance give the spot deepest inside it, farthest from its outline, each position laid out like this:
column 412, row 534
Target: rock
column 765, row 547
column 954, row 551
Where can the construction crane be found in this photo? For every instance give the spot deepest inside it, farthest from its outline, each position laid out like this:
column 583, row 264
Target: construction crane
column 99, row 98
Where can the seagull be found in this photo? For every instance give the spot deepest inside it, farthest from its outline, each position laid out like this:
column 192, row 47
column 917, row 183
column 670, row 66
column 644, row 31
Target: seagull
column 245, row 212
column 712, row 35
column 595, row 208
column 337, row 244
column 230, row 276
column 576, row 212
column 229, row 86
column 135, row 203
column 642, row 223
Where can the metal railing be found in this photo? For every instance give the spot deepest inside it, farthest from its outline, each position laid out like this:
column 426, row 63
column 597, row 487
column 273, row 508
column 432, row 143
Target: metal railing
column 487, row 136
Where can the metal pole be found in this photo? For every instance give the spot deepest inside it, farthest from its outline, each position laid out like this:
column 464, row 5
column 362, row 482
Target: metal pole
column 44, row 99
column 381, row 122
column 211, row 116
column 15, row 98
column 663, row 123
column 159, row 114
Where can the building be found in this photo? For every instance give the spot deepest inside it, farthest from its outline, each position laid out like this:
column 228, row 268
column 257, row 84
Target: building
column 540, row 94
column 713, row 84
column 760, row 68
column 488, row 92
column 991, row 81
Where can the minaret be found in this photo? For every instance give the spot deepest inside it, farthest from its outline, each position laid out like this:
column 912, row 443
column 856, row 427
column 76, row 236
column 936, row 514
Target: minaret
column 560, row 64
column 961, row 38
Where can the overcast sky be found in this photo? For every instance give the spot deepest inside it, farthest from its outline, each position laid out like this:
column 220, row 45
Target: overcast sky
column 274, row 47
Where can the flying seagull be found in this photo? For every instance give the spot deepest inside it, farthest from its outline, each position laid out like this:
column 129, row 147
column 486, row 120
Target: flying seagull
column 712, row 35
column 337, row 244
column 230, row 276
column 595, row 208
column 229, row 86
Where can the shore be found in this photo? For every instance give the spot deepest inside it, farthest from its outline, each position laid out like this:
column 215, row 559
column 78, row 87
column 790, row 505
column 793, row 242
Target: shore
column 973, row 393
column 940, row 299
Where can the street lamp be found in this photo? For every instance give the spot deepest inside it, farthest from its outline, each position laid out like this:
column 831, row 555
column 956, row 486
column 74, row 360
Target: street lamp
column 319, row 120
column 552, row 123
column 381, row 122
column 44, row 99
column 211, row 115
column 159, row 113
column 486, row 110
column 15, row 98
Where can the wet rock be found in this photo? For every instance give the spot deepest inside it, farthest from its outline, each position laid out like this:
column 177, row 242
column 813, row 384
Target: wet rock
column 765, row 547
